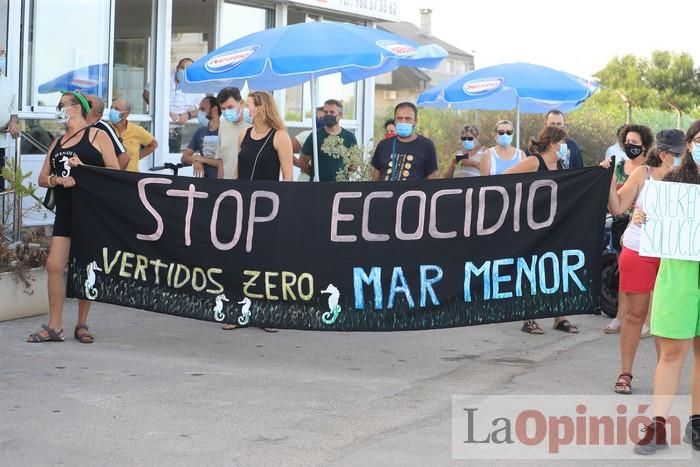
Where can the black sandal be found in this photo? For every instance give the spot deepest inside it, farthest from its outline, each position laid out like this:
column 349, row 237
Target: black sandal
column 531, row 327
column 52, row 335
column 565, row 326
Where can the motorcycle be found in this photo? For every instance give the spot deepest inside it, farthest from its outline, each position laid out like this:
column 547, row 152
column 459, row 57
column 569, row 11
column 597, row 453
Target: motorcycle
column 610, row 273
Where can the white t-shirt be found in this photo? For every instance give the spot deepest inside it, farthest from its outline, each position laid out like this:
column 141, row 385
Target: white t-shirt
column 227, row 150
column 617, row 151
column 8, row 108
column 181, row 102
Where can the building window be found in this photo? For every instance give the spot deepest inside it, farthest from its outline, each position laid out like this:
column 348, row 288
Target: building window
column 132, row 57
column 67, row 48
column 391, row 94
column 238, row 20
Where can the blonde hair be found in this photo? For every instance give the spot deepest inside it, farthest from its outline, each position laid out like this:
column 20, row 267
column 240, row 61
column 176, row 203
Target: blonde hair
column 267, row 109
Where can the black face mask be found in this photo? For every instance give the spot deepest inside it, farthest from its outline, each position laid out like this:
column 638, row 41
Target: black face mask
column 330, row 120
column 633, row 151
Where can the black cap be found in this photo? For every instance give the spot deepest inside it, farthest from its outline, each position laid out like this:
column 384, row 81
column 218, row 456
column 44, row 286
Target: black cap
column 670, row 140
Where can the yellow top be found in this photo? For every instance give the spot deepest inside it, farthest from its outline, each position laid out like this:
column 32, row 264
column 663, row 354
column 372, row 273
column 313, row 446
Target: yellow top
column 134, row 137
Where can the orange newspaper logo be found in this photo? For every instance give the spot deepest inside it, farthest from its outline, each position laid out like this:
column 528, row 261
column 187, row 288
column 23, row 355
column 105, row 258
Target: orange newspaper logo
column 397, row 48
column 229, row 60
column 481, row 86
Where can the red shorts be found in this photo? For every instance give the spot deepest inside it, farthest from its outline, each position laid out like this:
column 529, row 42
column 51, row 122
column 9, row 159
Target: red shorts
column 637, row 273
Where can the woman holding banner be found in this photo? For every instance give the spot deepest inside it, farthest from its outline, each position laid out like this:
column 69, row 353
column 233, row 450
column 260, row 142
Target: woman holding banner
column 548, row 151
column 81, row 143
column 638, row 273
column 675, row 321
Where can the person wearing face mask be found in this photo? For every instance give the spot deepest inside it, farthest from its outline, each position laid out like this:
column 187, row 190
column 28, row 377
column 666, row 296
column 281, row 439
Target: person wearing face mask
column 675, row 319
column 265, row 149
column 638, row 273
column 635, row 140
column 8, row 113
column 231, row 125
column 549, row 152
column 202, row 150
column 575, row 159
column 408, row 155
column 138, row 141
column 94, row 118
column 80, row 144
column 389, row 128
column 502, row 156
column 467, row 161
column 183, row 107
column 328, row 165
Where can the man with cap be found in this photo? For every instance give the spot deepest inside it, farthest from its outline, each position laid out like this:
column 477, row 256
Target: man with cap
column 94, row 118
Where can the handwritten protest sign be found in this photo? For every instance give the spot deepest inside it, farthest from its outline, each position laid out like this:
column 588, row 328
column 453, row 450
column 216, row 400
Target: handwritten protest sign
column 672, row 228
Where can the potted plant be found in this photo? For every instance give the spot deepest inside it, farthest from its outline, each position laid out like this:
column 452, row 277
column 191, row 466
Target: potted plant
column 22, row 254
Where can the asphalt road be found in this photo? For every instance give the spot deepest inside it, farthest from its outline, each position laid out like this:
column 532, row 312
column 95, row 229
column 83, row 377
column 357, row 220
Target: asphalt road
column 154, row 390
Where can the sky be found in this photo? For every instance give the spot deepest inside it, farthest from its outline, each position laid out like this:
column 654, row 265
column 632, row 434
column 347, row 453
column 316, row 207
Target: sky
column 574, row 36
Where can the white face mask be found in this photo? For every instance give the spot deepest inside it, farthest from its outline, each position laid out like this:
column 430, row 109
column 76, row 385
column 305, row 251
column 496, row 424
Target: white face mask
column 62, row 116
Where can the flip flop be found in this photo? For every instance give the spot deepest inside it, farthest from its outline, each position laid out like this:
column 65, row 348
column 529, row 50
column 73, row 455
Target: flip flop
column 531, row 327
column 229, row 326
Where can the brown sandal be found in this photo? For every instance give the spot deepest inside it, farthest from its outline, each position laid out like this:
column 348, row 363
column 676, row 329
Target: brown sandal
column 624, row 383
column 229, row 326
column 531, row 327
column 84, row 338
column 51, row 335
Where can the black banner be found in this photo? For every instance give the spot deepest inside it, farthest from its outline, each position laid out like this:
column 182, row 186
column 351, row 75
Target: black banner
column 341, row 256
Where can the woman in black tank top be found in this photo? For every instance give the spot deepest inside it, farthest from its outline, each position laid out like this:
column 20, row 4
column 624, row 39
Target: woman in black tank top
column 548, row 151
column 265, row 149
column 81, row 144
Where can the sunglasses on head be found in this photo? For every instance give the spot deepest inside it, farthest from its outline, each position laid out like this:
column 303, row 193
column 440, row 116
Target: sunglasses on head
column 466, row 138
column 505, row 132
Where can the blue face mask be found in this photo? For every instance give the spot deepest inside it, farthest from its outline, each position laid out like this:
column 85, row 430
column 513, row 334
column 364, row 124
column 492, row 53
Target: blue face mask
column 468, row 145
column 504, row 140
column 404, row 130
column 230, row 115
column 563, row 152
column 115, row 116
column 3, row 62
column 246, row 116
column 202, row 117
column 696, row 153
column 677, row 161
column 180, row 76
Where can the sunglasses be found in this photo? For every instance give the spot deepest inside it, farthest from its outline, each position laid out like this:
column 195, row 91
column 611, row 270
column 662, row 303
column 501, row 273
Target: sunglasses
column 466, row 138
column 504, row 132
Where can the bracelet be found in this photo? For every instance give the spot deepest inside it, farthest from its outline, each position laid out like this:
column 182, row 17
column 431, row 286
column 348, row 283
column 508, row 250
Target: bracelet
column 51, row 184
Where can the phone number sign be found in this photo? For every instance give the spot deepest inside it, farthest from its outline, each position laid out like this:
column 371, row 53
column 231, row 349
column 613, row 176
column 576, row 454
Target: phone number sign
column 377, row 9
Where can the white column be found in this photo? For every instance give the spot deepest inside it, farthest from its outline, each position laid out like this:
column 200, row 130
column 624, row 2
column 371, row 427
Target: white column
column 160, row 84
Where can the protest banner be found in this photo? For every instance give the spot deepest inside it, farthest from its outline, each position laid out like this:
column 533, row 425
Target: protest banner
column 341, row 256
column 672, row 226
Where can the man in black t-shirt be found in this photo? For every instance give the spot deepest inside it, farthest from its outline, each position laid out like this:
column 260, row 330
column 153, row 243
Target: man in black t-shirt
column 94, row 118
column 406, row 156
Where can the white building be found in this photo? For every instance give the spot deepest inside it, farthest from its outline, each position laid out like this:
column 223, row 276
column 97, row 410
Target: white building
column 134, row 45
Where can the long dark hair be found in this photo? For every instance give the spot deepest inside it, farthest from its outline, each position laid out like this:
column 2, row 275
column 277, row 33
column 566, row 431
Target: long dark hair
column 688, row 170
column 548, row 135
column 653, row 158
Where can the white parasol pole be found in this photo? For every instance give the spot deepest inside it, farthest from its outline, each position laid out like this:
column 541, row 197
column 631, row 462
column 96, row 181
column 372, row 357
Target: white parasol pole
column 517, row 122
column 314, row 86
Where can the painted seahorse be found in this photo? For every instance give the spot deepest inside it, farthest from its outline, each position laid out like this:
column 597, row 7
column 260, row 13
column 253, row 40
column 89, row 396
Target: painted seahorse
column 218, row 310
column 330, row 316
column 90, row 290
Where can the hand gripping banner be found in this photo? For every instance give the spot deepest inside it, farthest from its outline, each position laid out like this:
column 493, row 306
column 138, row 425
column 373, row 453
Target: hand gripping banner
column 341, row 256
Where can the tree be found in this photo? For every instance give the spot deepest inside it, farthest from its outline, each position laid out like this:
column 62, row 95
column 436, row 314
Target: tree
column 666, row 80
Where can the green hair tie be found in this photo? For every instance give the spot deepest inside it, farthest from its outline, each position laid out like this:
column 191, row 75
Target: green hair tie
column 81, row 98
